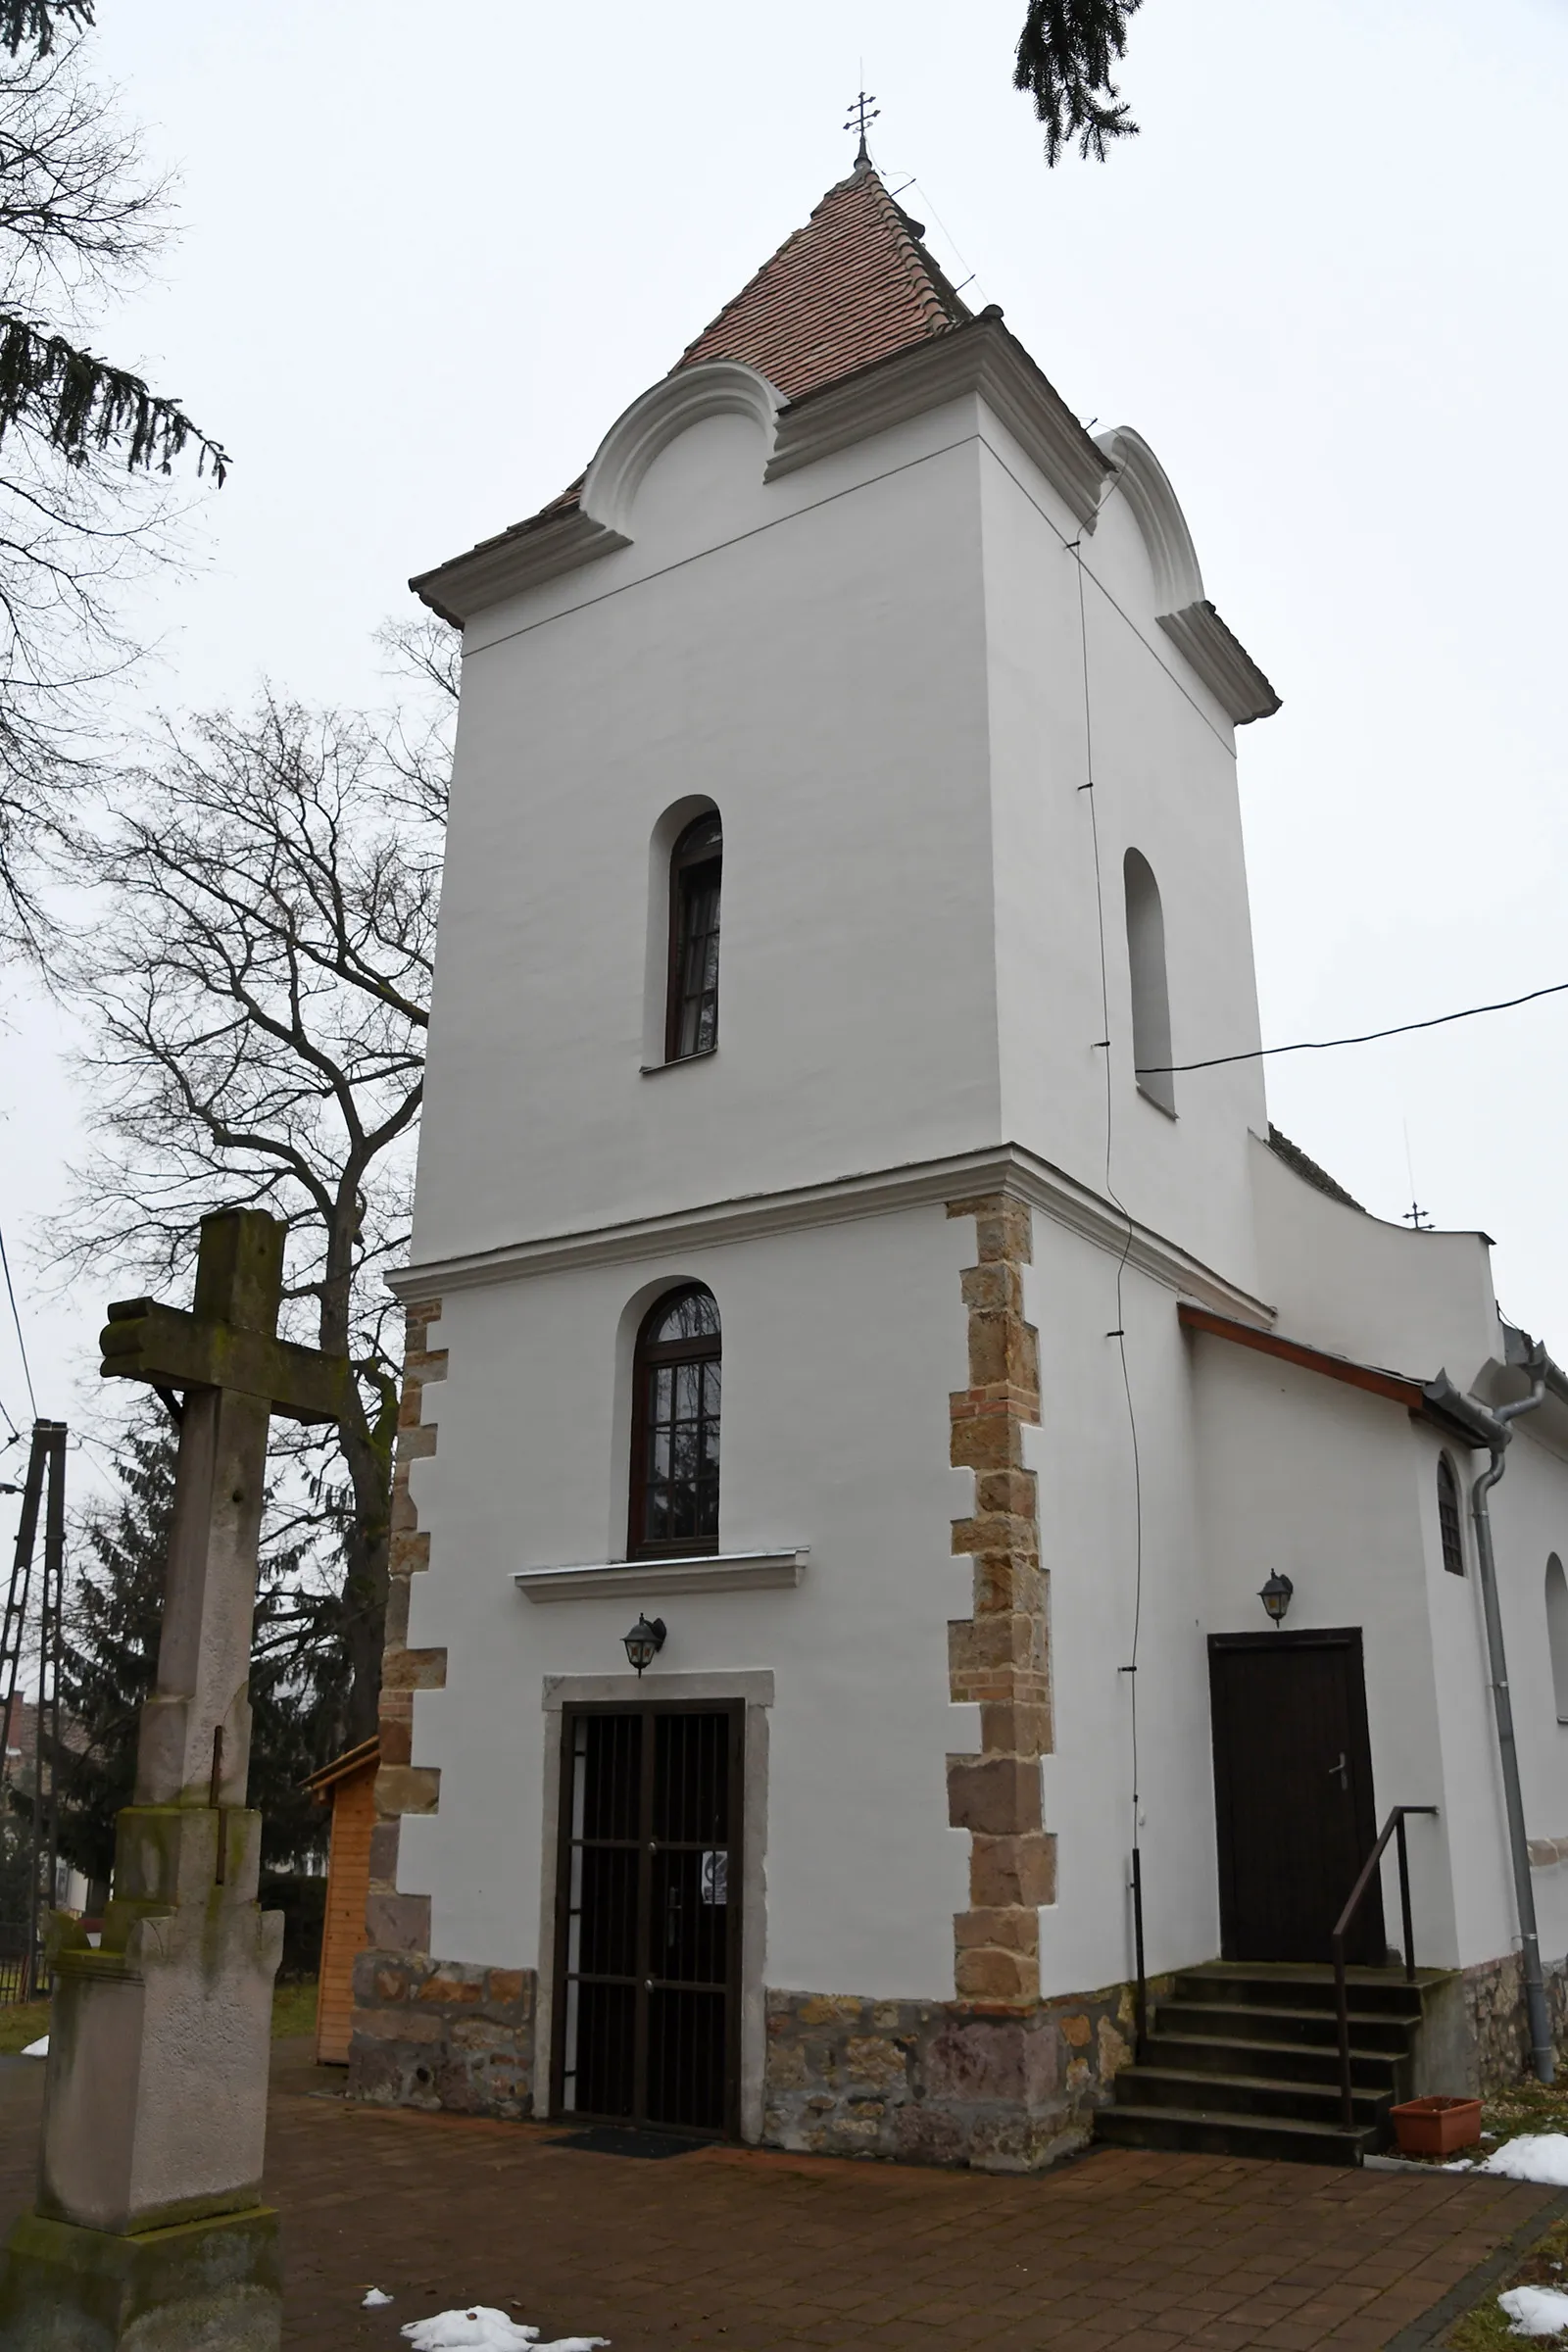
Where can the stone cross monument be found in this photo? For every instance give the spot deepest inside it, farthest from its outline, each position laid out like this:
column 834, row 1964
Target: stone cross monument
column 149, row 2231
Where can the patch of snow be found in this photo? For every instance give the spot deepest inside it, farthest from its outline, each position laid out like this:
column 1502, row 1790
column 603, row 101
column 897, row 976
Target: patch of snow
column 1533, row 2156
column 37, row 2049
column 483, row 2329
column 1535, row 2310
column 374, row 2300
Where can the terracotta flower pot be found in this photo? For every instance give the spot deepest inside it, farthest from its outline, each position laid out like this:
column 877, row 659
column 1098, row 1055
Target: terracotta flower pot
column 1436, row 2125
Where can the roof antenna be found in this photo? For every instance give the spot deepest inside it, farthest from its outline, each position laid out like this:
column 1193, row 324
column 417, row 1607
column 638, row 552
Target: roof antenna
column 864, row 109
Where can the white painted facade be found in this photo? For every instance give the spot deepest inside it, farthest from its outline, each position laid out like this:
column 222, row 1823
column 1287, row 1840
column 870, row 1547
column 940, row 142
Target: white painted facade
column 868, row 652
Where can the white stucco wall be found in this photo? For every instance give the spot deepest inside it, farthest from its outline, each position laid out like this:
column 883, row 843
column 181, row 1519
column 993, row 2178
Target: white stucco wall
column 1326, row 1484
column 873, row 667
column 1412, row 1303
column 1530, row 1521
column 820, row 674
column 840, row 1347
column 1164, row 770
column 1089, row 1543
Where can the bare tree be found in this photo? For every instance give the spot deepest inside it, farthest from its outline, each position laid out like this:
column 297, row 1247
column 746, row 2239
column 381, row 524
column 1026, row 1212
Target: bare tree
column 254, row 982
column 83, row 443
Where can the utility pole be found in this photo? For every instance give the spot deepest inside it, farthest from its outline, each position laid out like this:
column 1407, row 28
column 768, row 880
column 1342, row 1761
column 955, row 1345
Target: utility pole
column 46, row 1486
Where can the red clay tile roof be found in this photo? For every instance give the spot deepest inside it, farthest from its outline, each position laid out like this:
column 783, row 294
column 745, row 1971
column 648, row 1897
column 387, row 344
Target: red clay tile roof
column 853, row 285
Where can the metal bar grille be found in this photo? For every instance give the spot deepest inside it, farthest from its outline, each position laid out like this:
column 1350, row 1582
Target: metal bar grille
column 650, row 1900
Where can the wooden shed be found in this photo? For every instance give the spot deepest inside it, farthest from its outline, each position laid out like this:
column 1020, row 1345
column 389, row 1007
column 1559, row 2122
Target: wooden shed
column 348, row 1786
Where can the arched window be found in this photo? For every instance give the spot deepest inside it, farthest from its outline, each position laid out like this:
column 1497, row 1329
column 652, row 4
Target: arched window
column 1557, row 1633
column 674, row 1447
column 1146, row 957
column 696, row 870
column 1450, row 1527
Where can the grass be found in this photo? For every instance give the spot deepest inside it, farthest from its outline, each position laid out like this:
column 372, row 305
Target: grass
column 1527, row 2107
column 1487, row 2326
column 293, row 2013
column 22, row 2021
column 294, row 2008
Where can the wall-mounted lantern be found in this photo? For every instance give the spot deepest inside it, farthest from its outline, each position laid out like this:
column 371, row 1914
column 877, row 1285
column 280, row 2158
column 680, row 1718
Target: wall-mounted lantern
column 1276, row 1596
column 644, row 1642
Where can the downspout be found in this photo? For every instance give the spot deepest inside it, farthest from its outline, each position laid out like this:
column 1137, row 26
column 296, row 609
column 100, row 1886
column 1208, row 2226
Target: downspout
column 1543, row 2055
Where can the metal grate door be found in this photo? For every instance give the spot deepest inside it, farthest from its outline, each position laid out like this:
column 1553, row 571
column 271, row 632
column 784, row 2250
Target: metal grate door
column 648, row 1913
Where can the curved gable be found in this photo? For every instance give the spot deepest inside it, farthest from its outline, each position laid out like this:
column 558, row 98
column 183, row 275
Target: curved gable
column 710, row 388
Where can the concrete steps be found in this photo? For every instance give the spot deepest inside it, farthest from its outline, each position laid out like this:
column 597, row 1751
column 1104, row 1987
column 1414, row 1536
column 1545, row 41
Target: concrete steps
column 1243, row 2060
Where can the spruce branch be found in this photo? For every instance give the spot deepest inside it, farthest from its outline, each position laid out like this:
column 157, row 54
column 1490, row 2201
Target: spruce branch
column 82, row 403
column 32, row 24
column 1064, row 57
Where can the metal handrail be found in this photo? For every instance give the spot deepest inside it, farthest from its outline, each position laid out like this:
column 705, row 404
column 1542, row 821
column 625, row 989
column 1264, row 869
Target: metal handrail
column 1394, row 1827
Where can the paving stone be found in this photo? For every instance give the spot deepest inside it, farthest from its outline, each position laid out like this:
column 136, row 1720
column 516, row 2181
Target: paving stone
column 735, row 2250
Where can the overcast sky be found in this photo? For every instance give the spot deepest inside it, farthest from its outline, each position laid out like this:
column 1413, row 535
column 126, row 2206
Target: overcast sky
column 427, row 256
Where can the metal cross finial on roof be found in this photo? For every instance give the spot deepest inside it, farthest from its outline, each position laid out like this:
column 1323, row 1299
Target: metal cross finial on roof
column 863, row 110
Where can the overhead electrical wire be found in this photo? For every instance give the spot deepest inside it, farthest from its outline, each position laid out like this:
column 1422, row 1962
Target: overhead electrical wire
column 1367, row 1037
column 17, row 1320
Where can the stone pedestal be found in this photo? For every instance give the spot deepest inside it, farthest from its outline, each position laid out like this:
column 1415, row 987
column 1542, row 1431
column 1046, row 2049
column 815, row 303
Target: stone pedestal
column 149, row 2232
column 156, row 2101
column 201, row 2287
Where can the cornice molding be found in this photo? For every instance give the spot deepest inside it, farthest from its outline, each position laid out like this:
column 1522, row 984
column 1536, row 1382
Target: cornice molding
column 522, row 557
column 981, row 357
column 1221, row 661
column 1005, row 1168
column 711, row 1572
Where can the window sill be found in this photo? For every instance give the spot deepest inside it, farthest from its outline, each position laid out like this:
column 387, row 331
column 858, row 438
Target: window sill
column 681, row 1061
column 708, row 1571
column 1154, row 1103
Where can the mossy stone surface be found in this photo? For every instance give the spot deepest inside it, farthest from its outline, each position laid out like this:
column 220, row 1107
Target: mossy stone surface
column 202, row 2287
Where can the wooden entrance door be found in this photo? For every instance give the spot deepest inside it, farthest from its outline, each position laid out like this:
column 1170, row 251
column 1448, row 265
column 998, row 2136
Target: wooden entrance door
column 648, row 1916
column 1292, row 1795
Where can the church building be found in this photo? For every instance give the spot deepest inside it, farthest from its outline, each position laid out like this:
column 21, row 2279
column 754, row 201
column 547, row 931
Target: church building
column 932, row 1541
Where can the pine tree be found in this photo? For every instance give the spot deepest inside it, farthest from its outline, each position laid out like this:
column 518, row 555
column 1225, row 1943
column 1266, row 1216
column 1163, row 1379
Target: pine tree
column 111, row 1647
column 1063, row 60
column 83, row 441
column 299, row 1674
column 85, row 403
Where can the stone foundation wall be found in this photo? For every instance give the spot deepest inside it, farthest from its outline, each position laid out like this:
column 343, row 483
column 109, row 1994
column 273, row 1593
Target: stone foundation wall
column 942, row 2082
column 1495, row 2004
column 435, row 2034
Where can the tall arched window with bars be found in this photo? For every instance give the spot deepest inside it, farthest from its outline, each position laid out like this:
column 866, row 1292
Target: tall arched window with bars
column 695, row 873
column 1450, row 1523
column 677, row 1376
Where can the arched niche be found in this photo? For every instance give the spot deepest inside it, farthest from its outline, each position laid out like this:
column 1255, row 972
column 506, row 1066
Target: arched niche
column 1557, row 1633
column 1150, row 993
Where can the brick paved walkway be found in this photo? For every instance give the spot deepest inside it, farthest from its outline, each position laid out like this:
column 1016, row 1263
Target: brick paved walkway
column 738, row 2252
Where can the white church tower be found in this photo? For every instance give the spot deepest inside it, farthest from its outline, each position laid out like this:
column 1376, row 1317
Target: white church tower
column 844, row 855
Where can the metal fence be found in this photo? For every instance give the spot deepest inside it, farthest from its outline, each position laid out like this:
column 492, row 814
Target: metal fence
column 14, row 1958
